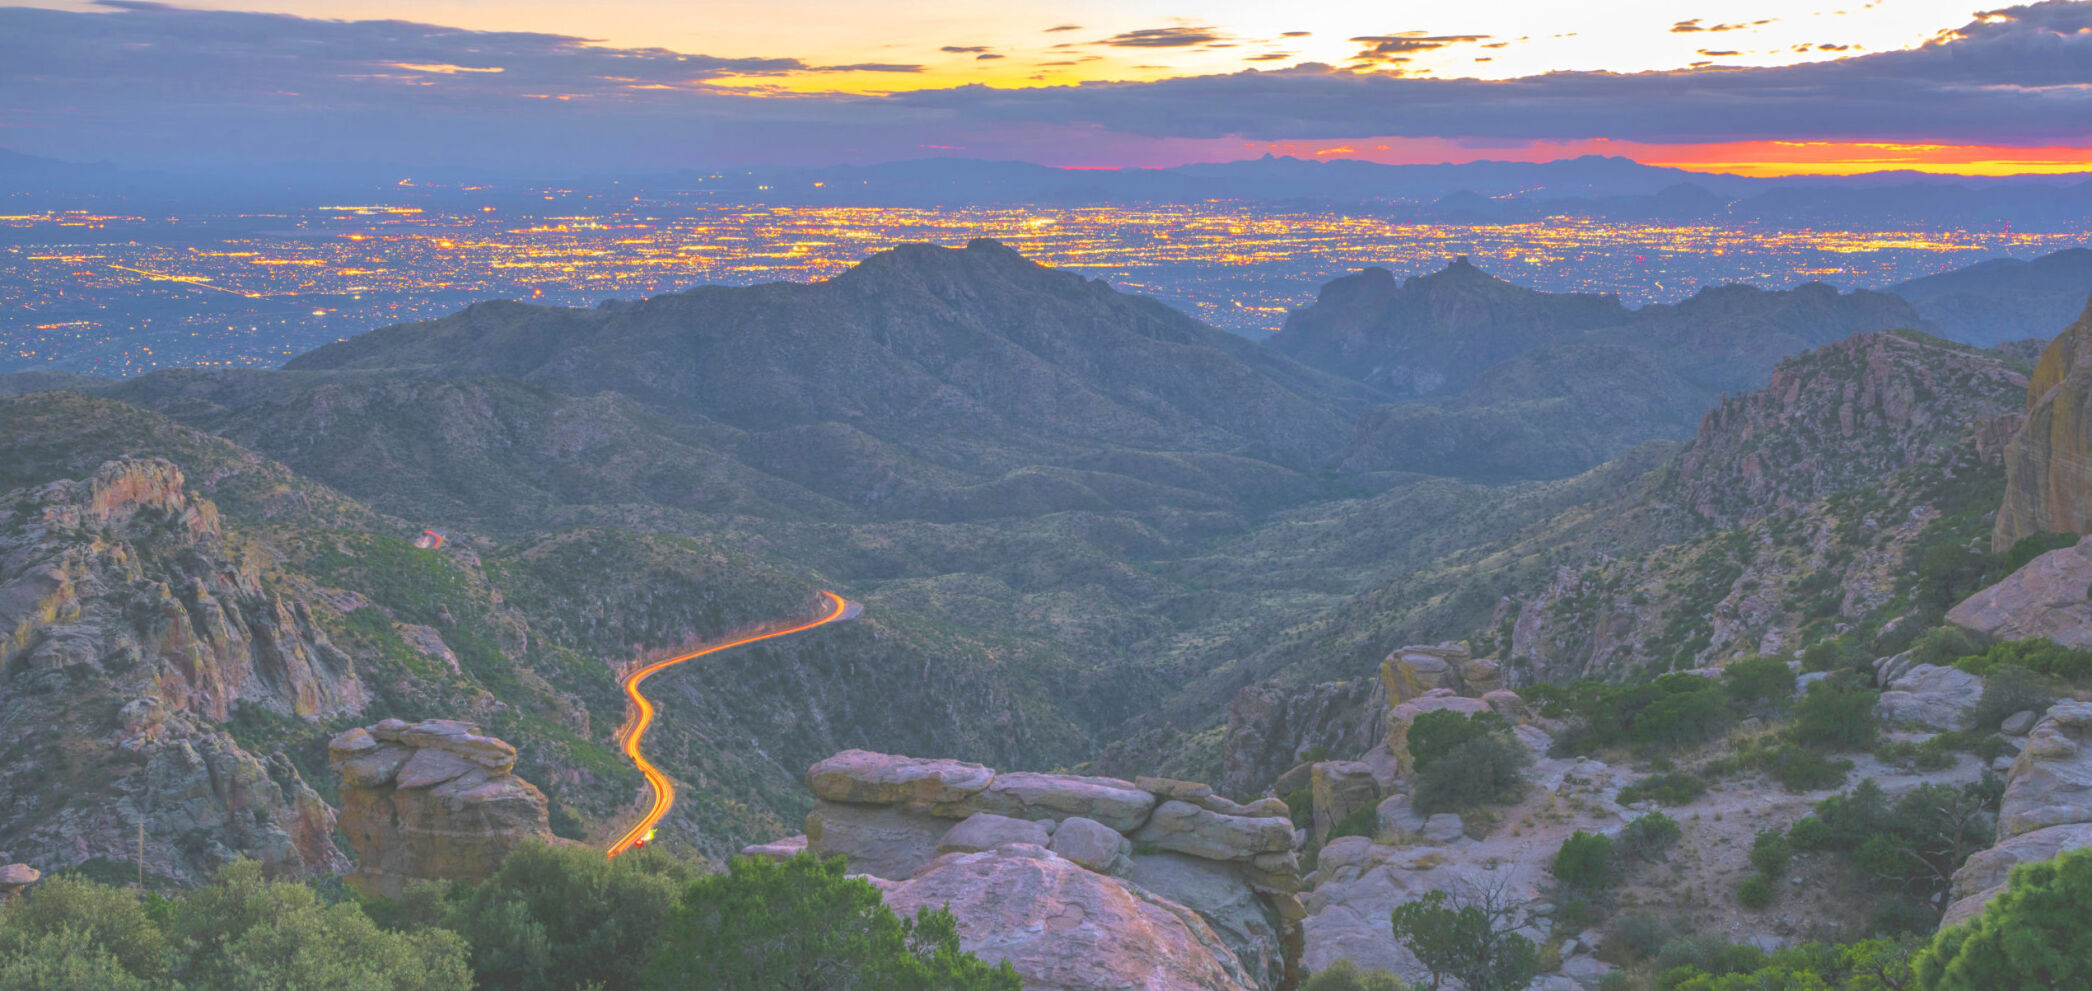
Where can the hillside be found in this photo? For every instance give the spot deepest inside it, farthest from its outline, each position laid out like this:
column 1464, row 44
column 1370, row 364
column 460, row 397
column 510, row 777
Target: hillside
column 2003, row 299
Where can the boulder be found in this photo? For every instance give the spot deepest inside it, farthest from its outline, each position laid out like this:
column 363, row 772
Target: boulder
column 889, row 841
column 1397, row 817
column 2046, row 598
column 1064, row 928
column 15, row 877
column 986, row 831
column 2019, row 723
column 2051, row 782
column 1090, row 843
column 1507, row 704
column 1026, row 795
column 1413, row 671
column 1930, row 697
column 1341, row 787
column 432, row 800
column 1186, row 828
column 784, row 849
column 869, row 778
column 1217, row 893
column 1301, row 776
column 1444, row 827
column 1984, row 874
column 1189, row 791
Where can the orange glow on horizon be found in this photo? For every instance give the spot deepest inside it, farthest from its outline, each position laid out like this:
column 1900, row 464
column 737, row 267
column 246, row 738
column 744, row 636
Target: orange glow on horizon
column 1763, row 159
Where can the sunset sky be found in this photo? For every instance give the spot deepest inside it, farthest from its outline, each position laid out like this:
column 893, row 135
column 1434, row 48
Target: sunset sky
column 1766, row 87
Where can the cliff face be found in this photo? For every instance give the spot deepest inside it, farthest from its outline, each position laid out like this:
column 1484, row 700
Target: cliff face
column 2048, row 465
column 130, row 627
column 1863, row 408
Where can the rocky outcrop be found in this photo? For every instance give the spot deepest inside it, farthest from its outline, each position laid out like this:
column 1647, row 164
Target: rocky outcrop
column 1836, row 417
column 1341, row 787
column 1271, row 730
column 15, row 877
column 2047, row 809
column 1066, row 928
column 2046, row 598
column 2048, row 465
column 1141, row 853
column 131, row 623
column 432, row 800
column 1402, row 716
column 1414, row 671
column 1930, row 697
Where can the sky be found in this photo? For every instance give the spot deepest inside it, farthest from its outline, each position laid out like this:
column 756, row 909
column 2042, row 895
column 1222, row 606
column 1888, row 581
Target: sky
column 1765, row 87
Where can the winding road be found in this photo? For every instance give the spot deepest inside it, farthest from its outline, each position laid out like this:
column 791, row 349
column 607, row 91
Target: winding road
column 642, row 716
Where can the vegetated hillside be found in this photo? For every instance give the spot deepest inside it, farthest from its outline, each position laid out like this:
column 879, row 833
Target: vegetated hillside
column 1432, row 334
column 2003, row 299
column 1538, row 385
column 1778, row 525
column 960, row 357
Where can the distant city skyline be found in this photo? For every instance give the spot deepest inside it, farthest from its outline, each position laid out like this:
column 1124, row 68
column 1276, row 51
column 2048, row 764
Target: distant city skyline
column 1762, row 88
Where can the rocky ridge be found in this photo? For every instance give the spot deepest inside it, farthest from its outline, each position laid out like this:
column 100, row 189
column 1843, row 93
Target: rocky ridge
column 135, row 625
column 2047, row 809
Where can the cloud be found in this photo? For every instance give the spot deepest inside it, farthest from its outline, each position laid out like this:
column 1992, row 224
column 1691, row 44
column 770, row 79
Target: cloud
column 985, row 56
column 1295, row 34
column 1686, row 27
column 2019, row 76
column 1064, row 27
column 1171, row 37
column 1394, row 49
column 963, row 49
column 143, row 83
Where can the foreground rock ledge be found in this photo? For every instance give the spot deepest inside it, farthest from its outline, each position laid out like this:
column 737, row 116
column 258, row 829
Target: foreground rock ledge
column 1078, row 881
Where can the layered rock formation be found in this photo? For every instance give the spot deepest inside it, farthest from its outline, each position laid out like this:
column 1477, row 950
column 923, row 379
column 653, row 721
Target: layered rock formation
column 131, row 624
column 1080, row 882
column 432, row 800
column 2048, row 480
column 2047, row 808
column 2046, row 598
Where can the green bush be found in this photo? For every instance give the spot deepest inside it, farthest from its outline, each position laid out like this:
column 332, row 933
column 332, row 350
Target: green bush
column 1649, row 837
column 1363, row 821
column 2009, row 689
column 2035, row 654
column 1634, row 938
column 1488, row 770
column 556, row 918
column 1943, row 645
column 1300, row 805
column 1344, row 975
column 800, row 924
column 1756, row 892
column 2029, row 547
column 1585, row 862
column 1801, row 769
column 1759, row 682
column 1770, row 853
column 2033, row 935
column 1670, row 788
column 1441, row 731
column 1708, row 953
column 1674, row 710
column 1808, row 833
column 1837, row 713
column 1470, row 942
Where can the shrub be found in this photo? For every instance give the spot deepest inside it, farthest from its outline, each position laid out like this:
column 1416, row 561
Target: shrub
column 1802, row 769
column 1756, row 892
column 1837, row 713
column 1943, row 645
column 1487, row 770
column 2033, row 545
column 1634, row 938
column 1770, row 853
column 1364, row 821
column 2007, row 690
column 1648, row 837
column 1671, row 788
column 1759, row 682
column 1710, row 954
column 1808, row 833
column 801, row 922
column 1344, row 975
column 1585, row 861
column 2033, row 935
column 1470, row 940
column 1437, row 733
column 1300, row 805
column 2036, row 654
column 554, row 918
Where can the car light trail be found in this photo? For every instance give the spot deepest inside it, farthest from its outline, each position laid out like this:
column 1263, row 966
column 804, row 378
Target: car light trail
column 642, row 716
